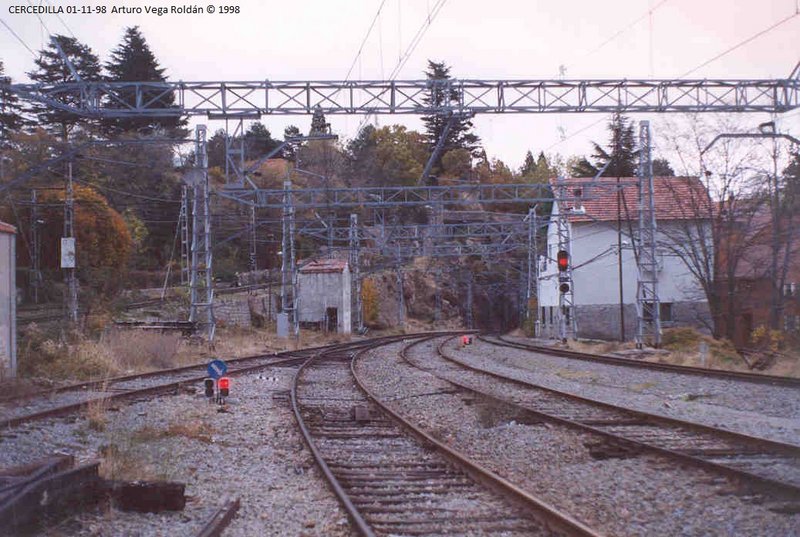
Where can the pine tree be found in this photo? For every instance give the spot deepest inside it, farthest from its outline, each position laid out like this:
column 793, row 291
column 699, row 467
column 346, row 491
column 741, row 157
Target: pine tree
column 133, row 61
column 620, row 154
column 460, row 135
column 528, row 166
column 11, row 119
column 51, row 69
column 318, row 123
column 662, row 168
column 258, row 141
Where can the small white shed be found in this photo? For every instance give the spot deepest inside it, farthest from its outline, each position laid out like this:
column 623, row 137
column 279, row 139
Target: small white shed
column 323, row 290
column 8, row 301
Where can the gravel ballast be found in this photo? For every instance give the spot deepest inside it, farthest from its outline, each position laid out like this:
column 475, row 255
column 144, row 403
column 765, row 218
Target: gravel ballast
column 771, row 412
column 629, row 495
column 252, row 451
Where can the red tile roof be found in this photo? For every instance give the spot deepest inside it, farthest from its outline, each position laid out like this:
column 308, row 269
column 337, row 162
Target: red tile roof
column 676, row 198
column 7, row 228
column 324, row 266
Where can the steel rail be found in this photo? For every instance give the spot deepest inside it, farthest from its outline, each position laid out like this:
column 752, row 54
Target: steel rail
column 91, row 384
column 773, row 380
column 769, row 485
column 150, row 391
column 554, row 519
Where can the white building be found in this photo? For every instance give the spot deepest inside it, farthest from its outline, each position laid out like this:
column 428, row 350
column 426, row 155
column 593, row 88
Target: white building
column 323, row 290
column 598, row 269
column 8, row 301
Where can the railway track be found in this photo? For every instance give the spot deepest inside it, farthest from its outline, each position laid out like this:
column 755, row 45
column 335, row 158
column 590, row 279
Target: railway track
column 393, row 483
column 765, row 467
column 76, row 397
column 773, row 380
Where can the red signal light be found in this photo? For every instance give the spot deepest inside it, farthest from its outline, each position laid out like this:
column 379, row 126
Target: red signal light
column 224, row 384
column 563, row 260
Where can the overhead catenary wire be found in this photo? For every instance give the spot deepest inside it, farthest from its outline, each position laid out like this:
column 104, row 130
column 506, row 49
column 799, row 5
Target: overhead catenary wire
column 743, row 42
column 364, row 40
column 24, row 44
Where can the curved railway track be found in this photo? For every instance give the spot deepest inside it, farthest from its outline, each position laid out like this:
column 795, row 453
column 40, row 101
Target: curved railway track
column 772, row 380
column 764, row 466
column 76, row 397
column 393, row 483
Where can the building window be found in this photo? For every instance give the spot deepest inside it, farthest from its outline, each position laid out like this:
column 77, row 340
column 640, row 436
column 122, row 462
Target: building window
column 551, row 314
column 544, row 314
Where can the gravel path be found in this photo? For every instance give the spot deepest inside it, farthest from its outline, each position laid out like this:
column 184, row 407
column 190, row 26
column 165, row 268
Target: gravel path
column 252, row 451
column 754, row 409
column 629, row 495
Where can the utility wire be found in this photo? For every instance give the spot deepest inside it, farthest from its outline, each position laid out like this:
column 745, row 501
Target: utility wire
column 410, row 49
column 24, row 44
column 621, row 31
column 64, row 24
column 742, row 43
column 364, row 41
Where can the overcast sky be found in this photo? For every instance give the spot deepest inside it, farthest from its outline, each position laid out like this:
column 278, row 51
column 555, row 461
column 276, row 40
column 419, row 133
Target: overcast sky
column 319, row 39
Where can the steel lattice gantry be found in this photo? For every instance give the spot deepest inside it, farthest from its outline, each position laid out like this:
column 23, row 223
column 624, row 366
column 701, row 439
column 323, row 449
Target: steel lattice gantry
column 230, row 99
column 392, row 196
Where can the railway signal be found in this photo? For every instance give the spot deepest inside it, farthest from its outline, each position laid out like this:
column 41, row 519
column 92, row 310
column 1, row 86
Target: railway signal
column 210, row 389
column 562, row 259
column 224, row 384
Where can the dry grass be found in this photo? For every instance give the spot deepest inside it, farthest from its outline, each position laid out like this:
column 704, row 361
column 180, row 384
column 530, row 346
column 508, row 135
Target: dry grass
column 97, row 413
column 683, row 347
column 193, row 429
column 139, row 350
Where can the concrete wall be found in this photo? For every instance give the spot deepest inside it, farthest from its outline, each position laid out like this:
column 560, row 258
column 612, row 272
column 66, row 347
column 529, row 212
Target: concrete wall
column 8, row 307
column 602, row 321
column 318, row 291
column 596, row 281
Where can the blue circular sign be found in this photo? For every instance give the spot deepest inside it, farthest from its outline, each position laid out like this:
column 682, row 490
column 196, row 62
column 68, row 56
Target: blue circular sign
column 216, row 368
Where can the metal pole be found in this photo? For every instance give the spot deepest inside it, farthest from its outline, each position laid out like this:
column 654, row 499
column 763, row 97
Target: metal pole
column 401, row 305
column 647, row 300
column 531, row 261
column 185, row 244
column 437, row 289
column 36, row 272
column 469, row 318
column 201, row 280
column 567, row 322
column 355, row 274
column 69, row 232
column 619, row 264
column 285, row 249
column 293, row 266
column 253, row 250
